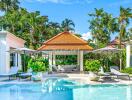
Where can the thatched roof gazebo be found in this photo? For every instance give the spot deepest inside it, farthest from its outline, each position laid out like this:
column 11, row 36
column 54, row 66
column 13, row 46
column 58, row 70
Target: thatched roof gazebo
column 65, row 43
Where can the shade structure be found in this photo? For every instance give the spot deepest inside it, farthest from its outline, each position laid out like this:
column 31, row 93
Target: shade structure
column 65, row 41
column 21, row 50
column 106, row 50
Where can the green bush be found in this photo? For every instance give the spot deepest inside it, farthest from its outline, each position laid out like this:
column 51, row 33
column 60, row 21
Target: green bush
column 37, row 65
column 66, row 59
column 92, row 65
column 127, row 70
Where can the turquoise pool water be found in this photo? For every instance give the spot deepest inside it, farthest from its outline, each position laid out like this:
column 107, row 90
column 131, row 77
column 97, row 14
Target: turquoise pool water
column 60, row 89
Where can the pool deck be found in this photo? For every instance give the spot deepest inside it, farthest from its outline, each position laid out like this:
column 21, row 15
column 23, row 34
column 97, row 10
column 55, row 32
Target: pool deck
column 81, row 78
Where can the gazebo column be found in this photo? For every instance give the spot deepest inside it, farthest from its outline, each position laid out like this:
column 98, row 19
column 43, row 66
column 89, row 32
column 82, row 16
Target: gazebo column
column 50, row 61
column 78, row 58
column 54, row 57
column 81, row 61
column 128, row 55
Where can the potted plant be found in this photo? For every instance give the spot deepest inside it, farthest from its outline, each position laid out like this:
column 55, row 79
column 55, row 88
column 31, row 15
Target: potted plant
column 93, row 67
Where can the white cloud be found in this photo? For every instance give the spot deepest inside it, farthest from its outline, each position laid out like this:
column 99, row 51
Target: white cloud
column 53, row 1
column 86, row 36
column 62, row 1
column 117, row 3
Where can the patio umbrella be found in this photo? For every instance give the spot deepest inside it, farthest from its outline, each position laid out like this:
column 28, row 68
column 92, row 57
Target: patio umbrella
column 22, row 51
column 107, row 50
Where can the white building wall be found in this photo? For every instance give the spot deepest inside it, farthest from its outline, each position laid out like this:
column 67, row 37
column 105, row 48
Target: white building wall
column 7, row 58
column 7, row 41
column 3, row 54
column 128, row 55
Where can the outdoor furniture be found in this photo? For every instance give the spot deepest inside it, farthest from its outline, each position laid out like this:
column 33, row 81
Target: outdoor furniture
column 13, row 72
column 66, row 68
column 115, row 71
column 108, row 50
column 104, row 75
column 26, row 75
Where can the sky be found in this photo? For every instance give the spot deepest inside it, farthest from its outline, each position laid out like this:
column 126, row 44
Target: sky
column 76, row 10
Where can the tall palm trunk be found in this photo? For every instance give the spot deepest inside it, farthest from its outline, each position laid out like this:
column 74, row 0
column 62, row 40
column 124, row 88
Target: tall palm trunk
column 31, row 38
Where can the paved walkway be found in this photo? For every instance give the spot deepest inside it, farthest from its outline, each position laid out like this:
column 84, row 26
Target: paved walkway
column 81, row 78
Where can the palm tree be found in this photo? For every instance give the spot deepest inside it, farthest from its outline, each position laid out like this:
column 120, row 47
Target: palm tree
column 67, row 25
column 102, row 25
column 54, row 28
column 35, row 21
column 7, row 5
column 125, row 15
column 129, row 34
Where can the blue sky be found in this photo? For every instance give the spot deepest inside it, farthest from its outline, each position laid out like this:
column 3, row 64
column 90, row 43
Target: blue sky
column 77, row 10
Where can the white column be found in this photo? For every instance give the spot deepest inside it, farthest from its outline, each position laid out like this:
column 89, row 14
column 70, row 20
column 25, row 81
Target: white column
column 81, row 61
column 54, row 57
column 16, row 60
column 78, row 58
column 19, row 62
column 128, row 55
column 50, row 61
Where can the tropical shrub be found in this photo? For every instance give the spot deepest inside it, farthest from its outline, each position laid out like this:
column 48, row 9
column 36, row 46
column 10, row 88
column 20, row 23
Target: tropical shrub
column 37, row 65
column 66, row 60
column 127, row 70
column 92, row 65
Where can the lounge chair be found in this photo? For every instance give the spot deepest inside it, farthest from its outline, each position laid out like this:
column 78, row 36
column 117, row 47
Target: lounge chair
column 25, row 75
column 13, row 72
column 104, row 75
column 115, row 71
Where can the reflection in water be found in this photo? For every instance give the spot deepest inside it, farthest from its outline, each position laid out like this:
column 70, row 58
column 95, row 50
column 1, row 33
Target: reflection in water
column 128, row 93
column 59, row 89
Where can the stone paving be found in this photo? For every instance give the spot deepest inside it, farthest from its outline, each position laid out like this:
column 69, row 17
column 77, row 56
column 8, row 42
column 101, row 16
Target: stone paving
column 81, row 78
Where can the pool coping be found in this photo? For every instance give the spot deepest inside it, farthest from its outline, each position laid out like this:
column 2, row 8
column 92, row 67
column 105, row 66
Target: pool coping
column 81, row 81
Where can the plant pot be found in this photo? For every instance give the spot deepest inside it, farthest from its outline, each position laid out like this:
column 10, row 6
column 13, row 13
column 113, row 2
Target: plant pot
column 93, row 76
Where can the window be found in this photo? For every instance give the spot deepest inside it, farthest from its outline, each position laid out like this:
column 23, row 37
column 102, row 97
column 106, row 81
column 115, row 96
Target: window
column 12, row 59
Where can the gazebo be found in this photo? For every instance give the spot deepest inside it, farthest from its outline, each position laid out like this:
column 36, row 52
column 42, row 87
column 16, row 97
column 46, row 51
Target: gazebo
column 65, row 43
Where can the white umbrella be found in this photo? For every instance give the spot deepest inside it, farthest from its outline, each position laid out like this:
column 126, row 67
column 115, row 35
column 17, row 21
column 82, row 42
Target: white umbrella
column 107, row 50
column 21, row 50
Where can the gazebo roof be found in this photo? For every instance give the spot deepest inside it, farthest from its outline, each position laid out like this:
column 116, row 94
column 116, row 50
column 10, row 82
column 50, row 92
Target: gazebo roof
column 65, row 41
column 116, row 42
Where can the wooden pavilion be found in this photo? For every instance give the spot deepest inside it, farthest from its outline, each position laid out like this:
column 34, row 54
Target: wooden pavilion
column 65, row 43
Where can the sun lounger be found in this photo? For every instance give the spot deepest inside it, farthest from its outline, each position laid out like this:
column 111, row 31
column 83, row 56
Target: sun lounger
column 115, row 71
column 25, row 75
column 104, row 75
column 13, row 72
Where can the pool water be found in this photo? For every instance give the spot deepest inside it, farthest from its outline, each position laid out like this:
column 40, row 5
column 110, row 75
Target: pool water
column 60, row 89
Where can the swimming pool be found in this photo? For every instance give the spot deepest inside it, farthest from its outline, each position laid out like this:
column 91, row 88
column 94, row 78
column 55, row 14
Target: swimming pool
column 60, row 89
